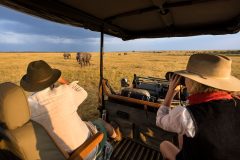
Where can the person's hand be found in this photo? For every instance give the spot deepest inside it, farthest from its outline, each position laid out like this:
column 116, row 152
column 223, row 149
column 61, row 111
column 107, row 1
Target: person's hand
column 174, row 86
column 173, row 89
column 62, row 81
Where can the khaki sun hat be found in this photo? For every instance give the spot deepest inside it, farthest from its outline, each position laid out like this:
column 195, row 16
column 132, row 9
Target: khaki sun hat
column 211, row 70
column 39, row 76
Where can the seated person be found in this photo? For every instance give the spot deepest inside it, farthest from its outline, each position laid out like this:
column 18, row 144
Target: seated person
column 54, row 106
column 210, row 122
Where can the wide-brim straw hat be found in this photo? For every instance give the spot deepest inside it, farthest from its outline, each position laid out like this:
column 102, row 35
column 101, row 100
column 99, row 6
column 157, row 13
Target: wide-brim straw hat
column 211, row 70
column 39, row 76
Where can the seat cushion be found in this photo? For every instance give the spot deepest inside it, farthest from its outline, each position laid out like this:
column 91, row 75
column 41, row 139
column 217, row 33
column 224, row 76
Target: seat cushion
column 14, row 110
column 32, row 142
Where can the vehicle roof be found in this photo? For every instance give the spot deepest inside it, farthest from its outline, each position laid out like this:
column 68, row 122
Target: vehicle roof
column 132, row 19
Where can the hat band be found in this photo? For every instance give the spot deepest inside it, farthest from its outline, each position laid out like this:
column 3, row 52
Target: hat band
column 44, row 80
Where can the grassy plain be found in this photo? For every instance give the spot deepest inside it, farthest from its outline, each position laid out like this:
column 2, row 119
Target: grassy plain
column 13, row 67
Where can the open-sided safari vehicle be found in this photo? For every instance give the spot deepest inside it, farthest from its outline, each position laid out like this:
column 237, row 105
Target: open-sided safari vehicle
column 132, row 109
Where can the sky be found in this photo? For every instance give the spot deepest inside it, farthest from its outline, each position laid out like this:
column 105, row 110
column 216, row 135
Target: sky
column 21, row 32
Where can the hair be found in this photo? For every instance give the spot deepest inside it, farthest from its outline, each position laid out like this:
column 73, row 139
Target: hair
column 236, row 94
column 54, row 85
column 201, row 88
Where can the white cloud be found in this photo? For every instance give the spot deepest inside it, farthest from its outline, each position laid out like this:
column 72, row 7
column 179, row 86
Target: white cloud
column 8, row 38
column 92, row 41
column 57, row 40
column 7, row 25
column 8, row 22
column 20, row 38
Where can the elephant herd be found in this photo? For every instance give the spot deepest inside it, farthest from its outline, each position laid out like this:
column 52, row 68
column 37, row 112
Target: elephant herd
column 83, row 58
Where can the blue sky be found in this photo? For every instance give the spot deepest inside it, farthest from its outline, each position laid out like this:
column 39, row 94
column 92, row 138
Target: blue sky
column 21, row 32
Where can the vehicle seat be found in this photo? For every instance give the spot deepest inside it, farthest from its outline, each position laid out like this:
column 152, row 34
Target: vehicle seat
column 27, row 139
column 24, row 138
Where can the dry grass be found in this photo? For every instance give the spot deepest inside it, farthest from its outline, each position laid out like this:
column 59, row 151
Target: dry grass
column 13, row 67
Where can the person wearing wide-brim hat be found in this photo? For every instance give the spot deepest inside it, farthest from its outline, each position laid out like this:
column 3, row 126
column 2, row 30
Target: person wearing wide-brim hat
column 210, row 123
column 54, row 104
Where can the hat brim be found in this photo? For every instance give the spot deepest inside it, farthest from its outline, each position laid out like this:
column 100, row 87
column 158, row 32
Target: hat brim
column 227, row 84
column 35, row 87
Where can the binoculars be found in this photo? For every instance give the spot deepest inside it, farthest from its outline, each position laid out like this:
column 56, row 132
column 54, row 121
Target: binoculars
column 168, row 75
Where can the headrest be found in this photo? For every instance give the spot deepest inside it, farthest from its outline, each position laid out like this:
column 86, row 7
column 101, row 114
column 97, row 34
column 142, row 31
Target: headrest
column 14, row 110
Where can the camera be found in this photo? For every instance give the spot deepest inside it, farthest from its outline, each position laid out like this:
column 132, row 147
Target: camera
column 168, row 75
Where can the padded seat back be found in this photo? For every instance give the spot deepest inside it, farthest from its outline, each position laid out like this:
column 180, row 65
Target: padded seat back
column 26, row 139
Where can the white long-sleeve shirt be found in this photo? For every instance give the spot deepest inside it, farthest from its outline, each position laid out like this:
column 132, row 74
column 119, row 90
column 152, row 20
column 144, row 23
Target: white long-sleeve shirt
column 56, row 110
column 177, row 120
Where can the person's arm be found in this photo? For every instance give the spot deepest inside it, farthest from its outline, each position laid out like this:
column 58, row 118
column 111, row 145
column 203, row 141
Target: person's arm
column 173, row 89
column 177, row 120
column 78, row 93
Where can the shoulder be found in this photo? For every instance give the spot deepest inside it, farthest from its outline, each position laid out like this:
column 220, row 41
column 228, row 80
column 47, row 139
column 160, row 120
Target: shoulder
column 181, row 112
column 74, row 86
column 178, row 111
column 32, row 100
column 72, row 89
column 179, row 108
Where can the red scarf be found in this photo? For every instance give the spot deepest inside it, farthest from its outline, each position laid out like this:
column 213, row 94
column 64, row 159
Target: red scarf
column 206, row 97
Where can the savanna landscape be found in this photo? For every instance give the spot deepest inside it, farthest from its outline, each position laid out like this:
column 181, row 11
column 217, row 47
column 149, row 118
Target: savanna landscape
column 117, row 65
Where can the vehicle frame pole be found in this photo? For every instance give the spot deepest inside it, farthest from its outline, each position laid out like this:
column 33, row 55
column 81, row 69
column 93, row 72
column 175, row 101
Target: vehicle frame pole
column 101, row 69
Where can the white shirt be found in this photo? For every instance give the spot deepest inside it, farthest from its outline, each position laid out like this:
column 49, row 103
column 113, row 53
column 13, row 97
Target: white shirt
column 177, row 120
column 56, row 110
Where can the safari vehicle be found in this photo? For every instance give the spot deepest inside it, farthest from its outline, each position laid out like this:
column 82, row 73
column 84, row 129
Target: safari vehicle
column 132, row 20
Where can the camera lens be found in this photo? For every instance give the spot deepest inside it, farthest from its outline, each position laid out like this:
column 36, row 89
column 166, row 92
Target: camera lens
column 168, row 75
column 182, row 81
